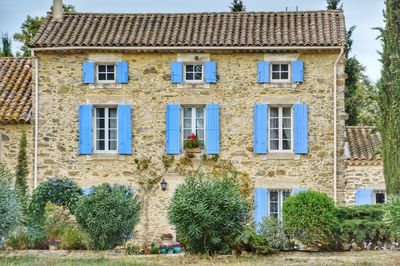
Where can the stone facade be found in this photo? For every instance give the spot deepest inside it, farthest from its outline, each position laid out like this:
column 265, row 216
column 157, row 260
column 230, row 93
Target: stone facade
column 149, row 91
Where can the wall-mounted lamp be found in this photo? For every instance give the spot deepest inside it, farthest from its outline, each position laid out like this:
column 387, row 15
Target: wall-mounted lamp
column 164, row 185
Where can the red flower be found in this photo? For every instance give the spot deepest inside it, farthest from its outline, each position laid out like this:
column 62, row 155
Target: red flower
column 192, row 137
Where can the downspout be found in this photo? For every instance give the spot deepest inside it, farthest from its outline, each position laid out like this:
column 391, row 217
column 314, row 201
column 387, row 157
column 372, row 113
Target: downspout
column 335, row 126
column 35, row 170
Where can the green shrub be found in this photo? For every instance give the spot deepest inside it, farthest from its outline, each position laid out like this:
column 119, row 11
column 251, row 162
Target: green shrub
column 271, row 229
column 310, row 217
column 10, row 209
column 208, row 213
column 108, row 215
column 57, row 220
column 392, row 215
column 250, row 241
column 73, row 238
column 361, row 223
column 154, row 249
column 133, row 249
column 27, row 238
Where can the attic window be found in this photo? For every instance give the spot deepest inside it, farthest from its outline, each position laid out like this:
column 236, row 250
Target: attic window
column 106, row 73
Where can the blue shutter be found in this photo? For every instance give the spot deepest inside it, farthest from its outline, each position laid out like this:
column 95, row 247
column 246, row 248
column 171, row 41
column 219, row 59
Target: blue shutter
column 210, row 69
column 263, row 72
column 124, row 129
column 363, row 197
column 298, row 71
column 260, row 205
column 88, row 72
column 212, row 129
column 300, row 129
column 260, row 128
column 85, row 129
column 298, row 190
column 122, row 72
column 173, row 129
column 176, row 72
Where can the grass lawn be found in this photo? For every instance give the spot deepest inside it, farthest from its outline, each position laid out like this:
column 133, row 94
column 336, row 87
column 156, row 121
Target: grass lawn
column 290, row 258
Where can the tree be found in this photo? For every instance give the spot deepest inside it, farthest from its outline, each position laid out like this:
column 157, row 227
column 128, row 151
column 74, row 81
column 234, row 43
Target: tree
column 389, row 98
column 237, row 6
column 30, row 27
column 334, row 4
column 6, row 46
column 22, row 170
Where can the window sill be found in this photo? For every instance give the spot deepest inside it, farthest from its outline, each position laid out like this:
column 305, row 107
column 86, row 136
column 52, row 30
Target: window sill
column 280, row 156
column 281, row 85
column 105, row 157
column 105, row 86
column 199, row 85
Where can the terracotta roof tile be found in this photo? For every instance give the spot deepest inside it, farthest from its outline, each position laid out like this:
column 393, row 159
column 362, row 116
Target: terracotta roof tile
column 363, row 143
column 15, row 90
column 226, row 29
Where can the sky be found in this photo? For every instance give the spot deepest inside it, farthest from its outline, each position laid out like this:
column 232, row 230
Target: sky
column 365, row 14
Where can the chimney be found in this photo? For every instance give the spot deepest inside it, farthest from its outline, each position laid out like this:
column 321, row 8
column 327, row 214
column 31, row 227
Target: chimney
column 58, row 10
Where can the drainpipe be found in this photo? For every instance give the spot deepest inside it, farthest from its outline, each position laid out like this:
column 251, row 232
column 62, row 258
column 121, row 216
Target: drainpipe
column 35, row 170
column 335, row 126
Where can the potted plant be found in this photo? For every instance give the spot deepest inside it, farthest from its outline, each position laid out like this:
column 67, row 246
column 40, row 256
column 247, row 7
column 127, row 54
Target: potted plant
column 153, row 248
column 167, row 239
column 171, row 249
column 192, row 144
column 177, row 247
column 54, row 244
column 163, row 249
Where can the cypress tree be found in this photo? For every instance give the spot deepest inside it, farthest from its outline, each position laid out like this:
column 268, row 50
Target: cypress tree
column 389, row 97
column 22, row 167
column 237, row 6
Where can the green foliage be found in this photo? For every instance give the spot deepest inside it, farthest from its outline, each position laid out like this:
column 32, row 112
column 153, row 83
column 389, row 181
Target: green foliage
column 334, row 4
column 154, row 249
column 56, row 221
column 108, row 215
column 392, row 215
column 272, row 230
column 133, row 249
column 237, row 6
column 208, row 213
column 73, row 238
column 10, row 209
column 250, row 241
column 389, row 98
column 362, row 223
column 22, row 170
column 27, row 238
column 310, row 217
column 6, row 46
column 60, row 191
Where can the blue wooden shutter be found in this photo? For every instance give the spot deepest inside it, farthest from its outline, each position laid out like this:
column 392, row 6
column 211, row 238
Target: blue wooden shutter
column 124, row 129
column 176, row 72
column 298, row 71
column 210, row 69
column 298, row 190
column 122, row 72
column 85, row 129
column 260, row 205
column 364, row 197
column 260, row 128
column 212, row 129
column 300, row 129
column 173, row 145
column 88, row 72
column 263, row 72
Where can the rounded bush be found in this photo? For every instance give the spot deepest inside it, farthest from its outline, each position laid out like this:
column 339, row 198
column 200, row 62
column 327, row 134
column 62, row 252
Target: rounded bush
column 60, row 191
column 392, row 215
column 208, row 214
column 108, row 215
column 10, row 210
column 310, row 217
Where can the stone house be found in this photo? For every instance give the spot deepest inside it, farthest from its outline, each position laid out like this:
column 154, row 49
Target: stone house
column 117, row 96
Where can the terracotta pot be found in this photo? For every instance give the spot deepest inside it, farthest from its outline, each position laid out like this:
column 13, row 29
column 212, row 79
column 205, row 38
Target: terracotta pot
column 193, row 150
column 53, row 247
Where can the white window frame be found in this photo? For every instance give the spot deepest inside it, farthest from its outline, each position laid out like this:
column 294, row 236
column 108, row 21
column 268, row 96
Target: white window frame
column 281, row 80
column 106, row 129
column 280, row 129
column 193, row 126
column 280, row 200
column 106, row 64
column 376, row 192
column 193, row 64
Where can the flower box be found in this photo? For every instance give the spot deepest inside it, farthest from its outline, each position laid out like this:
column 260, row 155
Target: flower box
column 193, row 150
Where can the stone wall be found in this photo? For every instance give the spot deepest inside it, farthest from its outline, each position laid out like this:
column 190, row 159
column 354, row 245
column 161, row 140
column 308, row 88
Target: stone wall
column 149, row 91
column 10, row 137
column 362, row 176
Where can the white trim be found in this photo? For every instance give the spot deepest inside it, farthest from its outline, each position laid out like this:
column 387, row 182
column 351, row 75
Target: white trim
column 35, row 164
column 280, row 200
column 106, row 72
column 106, row 130
column 193, row 121
column 280, row 129
column 194, row 80
column 288, row 80
column 185, row 48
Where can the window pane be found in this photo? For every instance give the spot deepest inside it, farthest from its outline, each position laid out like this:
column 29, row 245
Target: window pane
column 286, row 144
column 187, row 123
column 275, row 75
column 198, row 68
column 187, row 112
column 274, row 144
column 102, row 76
column 110, row 68
column 200, row 133
column 286, row 123
column 100, row 145
column 110, row 76
column 186, row 133
column 284, row 67
column 198, row 76
column 100, row 112
column 274, row 122
column 102, row 68
column 287, row 134
column 112, row 134
column 284, row 75
column 274, row 134
column 189, row 68
column 285, row 195
column 287, row 112
column 112, row 145
column 189, row 76
column 100, row 123
column 274, row 207
column 112, row 112
column 273, row 195
column 275, row 67
column 380, row 197
column 274, row 112
column 199, row 112
column 199, row 123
